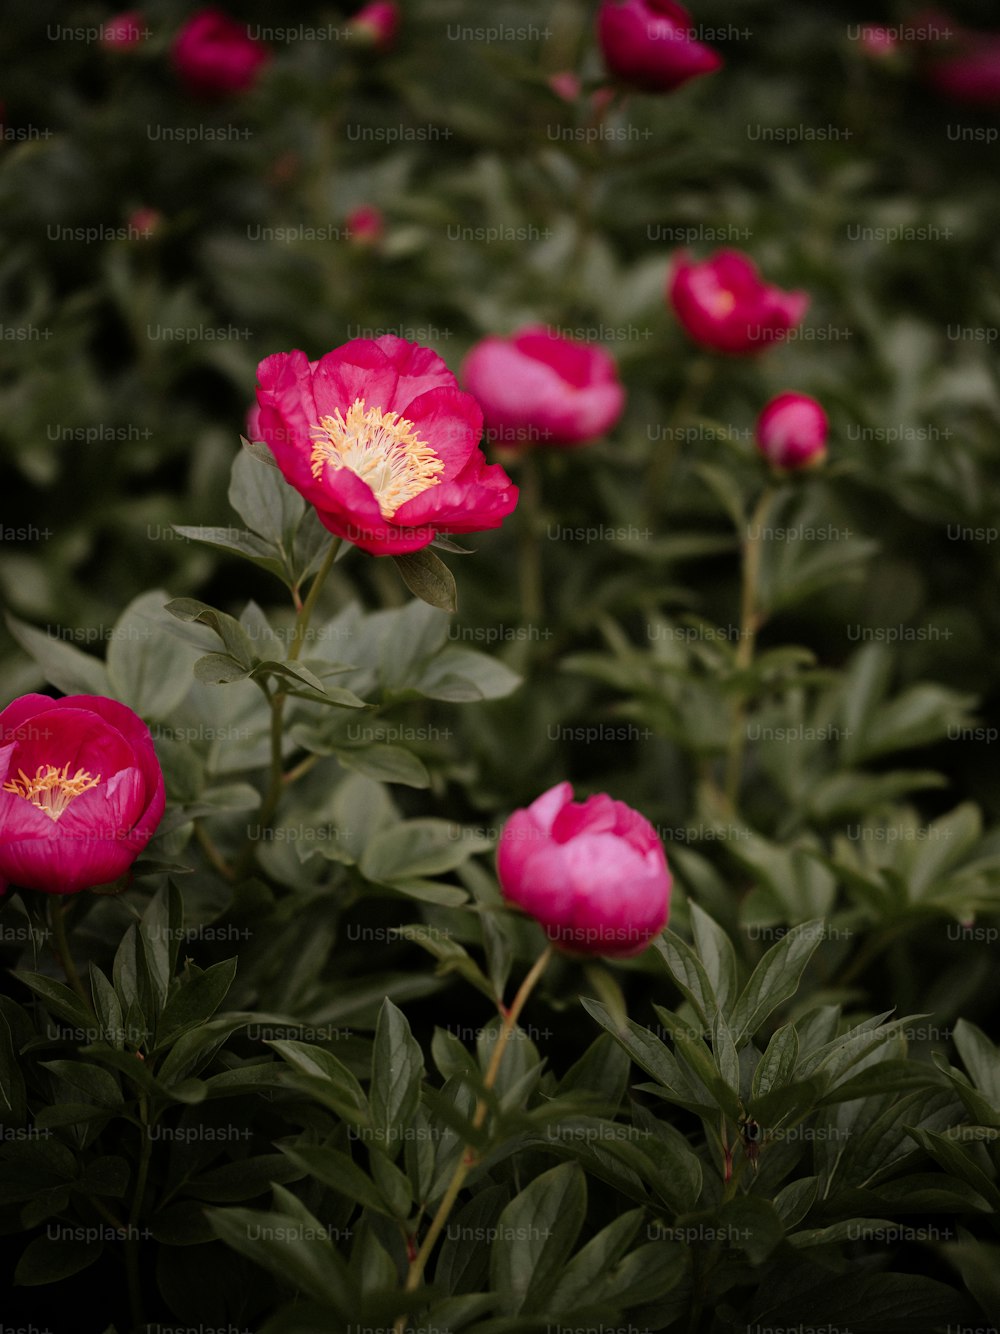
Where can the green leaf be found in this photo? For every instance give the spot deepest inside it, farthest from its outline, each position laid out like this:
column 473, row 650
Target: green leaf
column 297, row 1250
column 775, row 1068
column 148, row 664
column 325, row 1071
column 264, row 500
column 418, row 848
column 463, row 675
column 196, row 999
column 428, row 578
column 397, row 1071
column 69, row 669
column 776, row 977
column 535, row 1237
column 47, row 1260
column 387, row 764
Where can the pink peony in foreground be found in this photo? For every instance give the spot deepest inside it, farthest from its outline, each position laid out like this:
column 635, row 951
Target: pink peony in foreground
column 81, row 792
column 538, row 387
column 216, row 57
column 593, row 873
column 724, row 304
column 380, row 439
column 791, row 432
column 652, row 44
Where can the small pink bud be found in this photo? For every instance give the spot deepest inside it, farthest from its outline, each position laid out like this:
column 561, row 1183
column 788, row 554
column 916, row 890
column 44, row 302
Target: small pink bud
column 792, row 431
column 124, row 32
column 565, row 84
column 365, row 225
column 376, row 24
column 144, row 223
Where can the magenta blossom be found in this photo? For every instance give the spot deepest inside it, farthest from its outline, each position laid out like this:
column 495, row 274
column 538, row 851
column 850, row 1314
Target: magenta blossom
column 81, row 792
column 377, row 23
column 652, row 44
column 963, row 64
column 379, row 437
column 365, row 225
column 593, row 873
column 124, row 32
column 216, row 57
column 538, row 387
column 791, row 432
column 724, row 305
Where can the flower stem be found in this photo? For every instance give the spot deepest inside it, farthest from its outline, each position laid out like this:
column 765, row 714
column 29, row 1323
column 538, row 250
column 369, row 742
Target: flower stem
column 664, row 460
column 57, row 921
column 468, row 1158
column 751, row 620
column 530, row 505
column 277, row 700
column 131, row 1240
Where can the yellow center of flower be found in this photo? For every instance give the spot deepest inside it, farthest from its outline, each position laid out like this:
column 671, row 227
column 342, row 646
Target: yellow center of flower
column 722, row 302
column 381, row 448
column 51, row 789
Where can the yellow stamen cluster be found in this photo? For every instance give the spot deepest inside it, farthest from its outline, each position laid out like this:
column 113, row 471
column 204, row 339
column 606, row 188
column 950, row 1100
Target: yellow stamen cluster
column 381, row 448
column 51, row 789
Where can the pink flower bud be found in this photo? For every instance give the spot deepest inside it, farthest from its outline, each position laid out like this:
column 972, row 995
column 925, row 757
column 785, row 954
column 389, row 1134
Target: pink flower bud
column 652, row 44
column 593, row 873
column 365, row 225
column 216, row 57
column 565, row 84
column 792, row 431
column 144, row 223
column 81, row 792
column 377, row 24
column 124, row 32
column 725, row 306
column 877, row 41
column 539, row 388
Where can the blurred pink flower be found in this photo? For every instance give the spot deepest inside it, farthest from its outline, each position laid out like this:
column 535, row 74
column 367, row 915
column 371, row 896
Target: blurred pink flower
column 724, row 305
column 593, row 873
column 377, row 23
column 380, row 439
column 565, row 84
column 652, row 44
column 81, row 792
column 792, row 431
column 962, row 64
column 216, row 57
column 365, row 224
column 537, row 387
column 124, row 32
column 144, row 222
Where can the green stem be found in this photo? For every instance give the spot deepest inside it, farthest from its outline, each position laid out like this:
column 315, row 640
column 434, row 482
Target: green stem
column 132, row 1241
column 751, row 620
column 213, row 854
column 277, row 700
column 530, row 506
column 664, row 459
column 468, row 1158
column 57, row 921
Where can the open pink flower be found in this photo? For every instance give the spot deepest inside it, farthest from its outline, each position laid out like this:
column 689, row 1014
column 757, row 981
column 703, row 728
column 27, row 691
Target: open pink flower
column 593, row 873
column 365, row 225
column 216, row 57
column 791, row 432
column 81, row 791
column 652, row 44
column 538, row 387
column 724, row 304
column 379, row 437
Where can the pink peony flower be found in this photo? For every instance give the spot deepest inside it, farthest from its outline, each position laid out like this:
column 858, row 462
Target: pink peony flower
column 124, row 32
column 791, row 432
column 538, row 387
column 81, row 791
column 877, row 40
column 216, row 57
column 365, row 224
column 963, row 64
column 379, row 437
column 144, row 223
column 724, row 305
column 592, row 872
column 651, row 44
column 377, row 23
